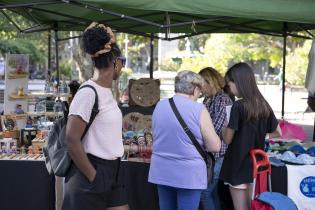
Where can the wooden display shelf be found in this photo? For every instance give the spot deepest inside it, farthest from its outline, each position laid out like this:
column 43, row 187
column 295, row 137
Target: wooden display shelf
column 26, row 114
column 35, row 95
column 17, row 76
column 49, row 114
column 17, row 97
column 42, row 94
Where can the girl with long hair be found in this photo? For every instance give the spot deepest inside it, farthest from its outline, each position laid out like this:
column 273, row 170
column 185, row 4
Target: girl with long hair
column 250, row 121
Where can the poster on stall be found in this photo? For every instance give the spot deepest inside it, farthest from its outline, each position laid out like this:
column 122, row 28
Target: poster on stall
column 16, row 85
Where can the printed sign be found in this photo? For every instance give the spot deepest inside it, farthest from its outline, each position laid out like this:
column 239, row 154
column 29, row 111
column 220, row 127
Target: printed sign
column 307, row 186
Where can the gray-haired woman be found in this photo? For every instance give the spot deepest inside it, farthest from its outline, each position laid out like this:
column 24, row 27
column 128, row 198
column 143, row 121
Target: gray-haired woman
column 176, row 166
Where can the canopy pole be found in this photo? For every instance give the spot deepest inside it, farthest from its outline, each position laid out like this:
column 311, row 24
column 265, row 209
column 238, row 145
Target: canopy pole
column 285, row 28
column 151, row 55
column 49, row 50
column 57, row 57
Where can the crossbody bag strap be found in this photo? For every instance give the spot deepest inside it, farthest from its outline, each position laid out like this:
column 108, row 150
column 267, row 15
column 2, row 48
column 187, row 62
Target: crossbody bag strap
column 188, row 131
column 95, row 109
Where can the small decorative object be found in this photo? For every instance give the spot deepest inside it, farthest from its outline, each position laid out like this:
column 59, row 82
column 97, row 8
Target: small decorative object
column 141, row 140
column 39, row 134
column 30, row 150
column 18, row 95
column 17, row 66
column 129, row 135
column 3, row 149
column 148, row 138
column 18, row 109
column 9, row 123
column 7, row 134
column 40, row 106
column 19, row 69
column 20, row 91
column 124, row 98
column 58, row 106
column 18, row 73
column 36, row 150
column 13, row 149
column 29, row 123
column 144, row 92
column 130, row 121
column 7, row 145
column 23, row 150
column 145, row 122
column 38, row 142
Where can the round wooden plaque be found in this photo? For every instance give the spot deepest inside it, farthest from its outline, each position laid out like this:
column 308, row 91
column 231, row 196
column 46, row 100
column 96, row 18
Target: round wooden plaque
column 145, row 92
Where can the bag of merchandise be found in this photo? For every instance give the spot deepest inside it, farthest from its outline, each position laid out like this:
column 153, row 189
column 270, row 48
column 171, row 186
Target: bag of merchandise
column 292, row 131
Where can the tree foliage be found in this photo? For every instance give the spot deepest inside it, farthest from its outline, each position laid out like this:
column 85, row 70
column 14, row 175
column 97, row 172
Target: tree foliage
column 297, row 62
column 197, row 43
column 21, row 46
column 13, row 41
column 222, row 50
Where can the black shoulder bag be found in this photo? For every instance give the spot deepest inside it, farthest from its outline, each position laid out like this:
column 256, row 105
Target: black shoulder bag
column 207, row 156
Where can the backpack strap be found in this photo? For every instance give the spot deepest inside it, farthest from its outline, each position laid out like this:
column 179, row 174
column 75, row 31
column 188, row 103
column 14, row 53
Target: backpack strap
column 95, row 109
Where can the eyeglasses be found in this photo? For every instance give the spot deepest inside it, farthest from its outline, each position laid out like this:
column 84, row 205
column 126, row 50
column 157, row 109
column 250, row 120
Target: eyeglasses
column 123, row 60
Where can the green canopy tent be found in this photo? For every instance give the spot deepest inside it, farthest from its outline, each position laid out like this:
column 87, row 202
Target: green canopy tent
column 152, row 17
column 169, row 16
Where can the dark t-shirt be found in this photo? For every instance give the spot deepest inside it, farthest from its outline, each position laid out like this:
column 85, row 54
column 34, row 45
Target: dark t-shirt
column 237, row 166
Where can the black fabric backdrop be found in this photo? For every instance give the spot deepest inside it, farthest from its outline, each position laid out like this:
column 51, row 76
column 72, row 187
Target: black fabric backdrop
column 26, row 185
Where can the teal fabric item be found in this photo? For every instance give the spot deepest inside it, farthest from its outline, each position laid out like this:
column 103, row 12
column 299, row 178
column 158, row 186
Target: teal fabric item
column 278, row 201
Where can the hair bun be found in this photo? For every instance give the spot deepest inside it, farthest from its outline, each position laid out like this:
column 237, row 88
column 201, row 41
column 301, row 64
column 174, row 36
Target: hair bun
column 94, row 39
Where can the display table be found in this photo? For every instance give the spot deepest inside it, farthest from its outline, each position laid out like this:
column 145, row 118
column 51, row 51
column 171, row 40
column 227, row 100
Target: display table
column 26, row 185
column 141, row 194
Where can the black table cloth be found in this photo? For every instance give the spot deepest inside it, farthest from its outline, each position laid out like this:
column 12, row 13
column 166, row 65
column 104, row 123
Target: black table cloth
column 141, row 194
column 26, row 185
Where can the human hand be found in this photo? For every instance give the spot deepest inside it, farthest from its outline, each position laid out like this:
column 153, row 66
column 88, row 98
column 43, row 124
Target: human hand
column 91, row 176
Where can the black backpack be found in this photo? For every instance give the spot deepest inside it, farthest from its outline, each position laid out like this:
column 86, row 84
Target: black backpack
column 56, row 154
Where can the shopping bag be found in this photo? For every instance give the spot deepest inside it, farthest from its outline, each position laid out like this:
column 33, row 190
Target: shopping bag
column 292, row 131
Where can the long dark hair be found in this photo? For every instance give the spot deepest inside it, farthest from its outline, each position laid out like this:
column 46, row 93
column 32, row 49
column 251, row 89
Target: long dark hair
column 255, row 104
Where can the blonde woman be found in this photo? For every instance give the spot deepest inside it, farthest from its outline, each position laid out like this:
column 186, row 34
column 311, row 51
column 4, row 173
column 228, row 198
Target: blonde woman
column 215, row 101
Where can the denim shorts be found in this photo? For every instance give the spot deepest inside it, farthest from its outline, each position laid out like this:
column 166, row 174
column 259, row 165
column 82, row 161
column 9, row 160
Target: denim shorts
column 107, row 190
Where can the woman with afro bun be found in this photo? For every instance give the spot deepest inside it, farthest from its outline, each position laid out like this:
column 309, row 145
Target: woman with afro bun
column 94, row 180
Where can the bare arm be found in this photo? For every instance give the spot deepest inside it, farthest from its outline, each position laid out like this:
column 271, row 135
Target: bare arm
column 74, row 131
column 228, row 135
column 211, row 139
column 276, row 133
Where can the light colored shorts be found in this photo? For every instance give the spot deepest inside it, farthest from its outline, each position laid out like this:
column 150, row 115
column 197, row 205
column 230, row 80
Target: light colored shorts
column 240, row 186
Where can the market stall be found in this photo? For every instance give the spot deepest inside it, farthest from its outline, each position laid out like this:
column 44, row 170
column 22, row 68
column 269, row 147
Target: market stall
column 167, row 17
column 158, row 19
column 25, row 126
